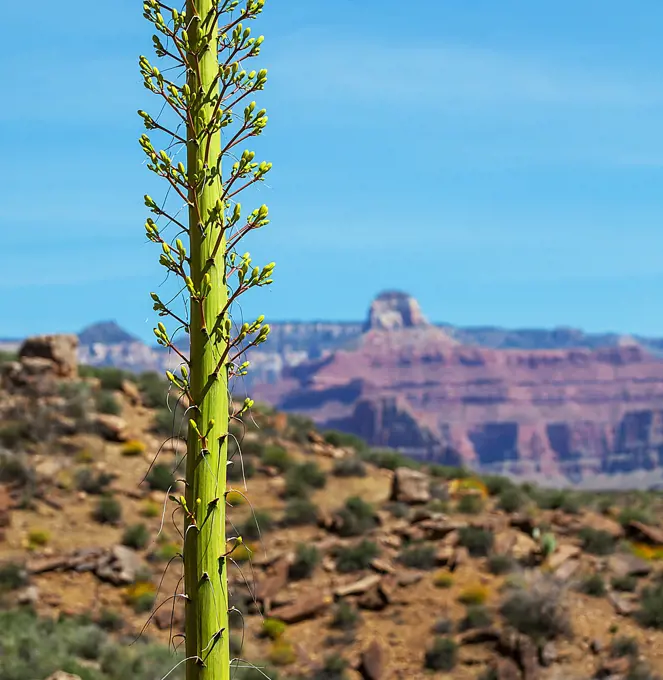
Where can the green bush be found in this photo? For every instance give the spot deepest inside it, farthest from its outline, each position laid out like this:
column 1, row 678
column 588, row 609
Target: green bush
column 478, row 541
column 650, row 614
column 418, row 557
column 470, row 504
column 110, row 620
column 557, row 499
column 626, row 583
column 538, row 610
column 593, row 585
column 15, row 469
column 299, row 512
column 634, row 514
column 136, row 536
column 476, row 616
column 307, row 558
column 108, row 510
column 36, row 648
column 258, row 524
column 343, row 439
column 106, row 402
column 349, row 467
column 110, row 378
column 277, row 457
column 273, row 628
column 512, row 499
column 92, row 482
column 356, row 517
column 387, row 459
column 344, row 616
column 597, row 541
column 397, row 509
column 171, row 422
column 496, row 485
column 241, row 468
column 333, row 668
column 448, row 472
column 160, row 477
column 153, row 388
column 308, row 474
column 624, row 646
column 12, row 576
column 442, row 655
column 443, row 626
column 500, row 564
column 14, row 435
column 355, row 557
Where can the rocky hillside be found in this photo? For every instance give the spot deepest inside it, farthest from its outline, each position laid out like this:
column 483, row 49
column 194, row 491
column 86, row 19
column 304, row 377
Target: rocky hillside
column 563, row 415
column 358, row 563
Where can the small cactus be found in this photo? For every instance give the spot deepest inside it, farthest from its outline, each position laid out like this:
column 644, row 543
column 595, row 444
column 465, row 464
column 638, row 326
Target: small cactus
column 548, row 544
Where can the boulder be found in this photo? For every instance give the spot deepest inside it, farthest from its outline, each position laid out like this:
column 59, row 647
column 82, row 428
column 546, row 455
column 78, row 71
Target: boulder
column 566, row 570
column 645, row 533
column 306, row 607
column 358, row 587
column 621, row 564
column 119, row 566
column 59, row 350
column 112, row 428
column 373, row 662
column 563, row 553
column 410, row 486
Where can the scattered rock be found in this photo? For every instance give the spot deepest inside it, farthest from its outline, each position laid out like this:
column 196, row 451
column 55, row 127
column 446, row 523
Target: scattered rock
column 61, row 675
column 563, row 553
column 596, row 646
column 601, row 523
column 623, row 606
column 410, row 486
column 622, row 564
column 373, row 662
column 119, row 566
column 548, row 654
column 131, row 391
column 59, row 350
column 645, row 533
column 273, row 582
column 437, row 528
column 304, row 608
column 566, row 570
column 613, row 668
column 382, row 566
column 111, row 428
column 29, row 595
column 358, row 587
column 408, row 578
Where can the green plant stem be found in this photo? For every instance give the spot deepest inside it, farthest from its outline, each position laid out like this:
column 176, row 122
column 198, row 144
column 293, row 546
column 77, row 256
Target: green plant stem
column 206, row 622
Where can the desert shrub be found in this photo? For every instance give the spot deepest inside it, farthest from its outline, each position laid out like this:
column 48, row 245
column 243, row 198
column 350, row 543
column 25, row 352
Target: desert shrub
column 141, row 596
column 344, row 616
column 443, row 626
column 496, row 485
column 153, row 388
column 557, row 499
column 108, row 510
column 273, row 628
column 650, row 614
column 300, row 511
column 160, row 477
column 110, row 620
column 342, row 439
column 355, row 557
column 307, row 474
column 538, row 610
column 12, row 576
column 418, row 557
column 478, row 541
column 634, row 514
column 442, row 655
column 597, row 541
column 624, row 646
column 240, row 671
column 15, row 469
column 166, row 552
column 476, row 616
column 387, row 459
column 277, row 457
column 150, row 509
column 349, row 467
column 241, row 469
column 92, row 482
column 397, row 509
column 106, row 402
column 449, row 472
column 110, row 378
column 626, row 583
column 500, row 564
column 258, row 524
column 473, row 595
column 470, row 504
column 333, row 668
column 282, row 653
column 38, row 538
column 171, row 421
column 133, row 448
column 512, row 499
column 14, row 435
column 593, row 585
column 356, row 517
column 136, row 536
column 307, row 558
column 443, row 579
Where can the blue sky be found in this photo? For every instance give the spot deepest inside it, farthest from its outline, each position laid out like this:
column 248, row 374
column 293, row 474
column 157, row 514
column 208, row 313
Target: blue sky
column 501, row 161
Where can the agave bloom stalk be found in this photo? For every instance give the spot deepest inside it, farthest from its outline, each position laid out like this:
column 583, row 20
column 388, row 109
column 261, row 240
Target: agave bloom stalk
column 207, row 45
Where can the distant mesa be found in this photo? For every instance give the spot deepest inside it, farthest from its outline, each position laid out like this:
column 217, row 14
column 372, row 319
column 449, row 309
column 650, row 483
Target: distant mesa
column 105, row 332
column 392, row 310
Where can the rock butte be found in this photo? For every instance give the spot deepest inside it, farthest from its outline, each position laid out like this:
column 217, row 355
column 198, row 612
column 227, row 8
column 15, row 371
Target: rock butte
column 405, row 383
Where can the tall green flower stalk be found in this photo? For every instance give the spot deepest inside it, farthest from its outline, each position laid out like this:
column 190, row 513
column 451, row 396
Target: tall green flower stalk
column 207, row 90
